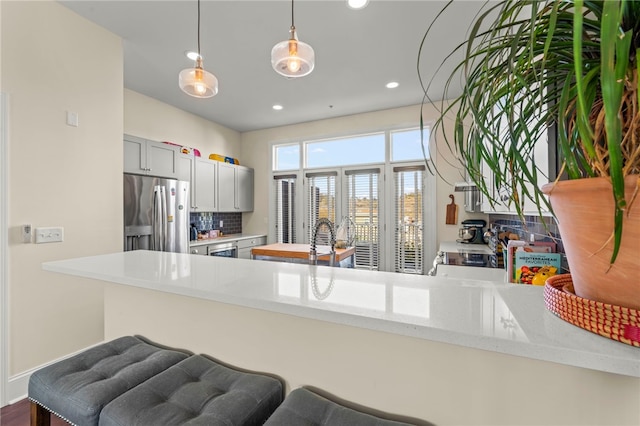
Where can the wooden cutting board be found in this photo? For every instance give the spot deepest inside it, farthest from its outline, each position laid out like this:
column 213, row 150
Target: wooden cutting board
column 452, row 212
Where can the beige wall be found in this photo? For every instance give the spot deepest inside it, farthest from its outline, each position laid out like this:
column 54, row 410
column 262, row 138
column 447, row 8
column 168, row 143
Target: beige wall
column 52, row 62
column 71, row 177
column 255, row 153
column 151, row 119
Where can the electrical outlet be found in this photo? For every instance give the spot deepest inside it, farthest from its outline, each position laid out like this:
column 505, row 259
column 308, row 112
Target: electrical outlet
column 220, row 224
column 49, row 235
column 26, row 233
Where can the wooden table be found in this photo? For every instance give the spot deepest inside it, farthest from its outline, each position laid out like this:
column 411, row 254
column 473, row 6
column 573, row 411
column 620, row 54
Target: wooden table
column 299, row 253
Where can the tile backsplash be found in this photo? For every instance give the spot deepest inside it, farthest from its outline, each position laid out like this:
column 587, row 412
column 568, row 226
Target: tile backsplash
column 541, row 229
column 231, row 222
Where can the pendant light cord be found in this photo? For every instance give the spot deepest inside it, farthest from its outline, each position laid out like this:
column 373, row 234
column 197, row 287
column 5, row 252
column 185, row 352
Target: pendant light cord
column 292, row 26
column 199, row 29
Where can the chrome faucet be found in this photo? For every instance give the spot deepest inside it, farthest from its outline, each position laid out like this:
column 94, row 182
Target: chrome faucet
column 313, row 255
column 439, row 260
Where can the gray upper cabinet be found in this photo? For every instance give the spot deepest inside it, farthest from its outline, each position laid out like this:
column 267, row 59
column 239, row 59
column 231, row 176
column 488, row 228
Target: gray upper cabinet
column 226, row 187
column 244, row 189
column 204, row 188
column 142, row 156
column 235, row 188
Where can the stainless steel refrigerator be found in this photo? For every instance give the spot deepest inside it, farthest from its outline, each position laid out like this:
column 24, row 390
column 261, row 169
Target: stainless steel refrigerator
column 156, row 214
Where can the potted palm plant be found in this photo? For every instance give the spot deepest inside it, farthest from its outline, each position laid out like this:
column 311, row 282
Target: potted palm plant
column 529, row 66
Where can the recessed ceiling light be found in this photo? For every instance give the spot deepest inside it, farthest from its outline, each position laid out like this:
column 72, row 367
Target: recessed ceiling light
column 277, row 107
column 392, row 85
column 191, row 55
column 357, row 4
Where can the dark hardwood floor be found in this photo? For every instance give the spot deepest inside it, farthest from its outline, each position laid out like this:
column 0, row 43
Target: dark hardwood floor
column 18, row 415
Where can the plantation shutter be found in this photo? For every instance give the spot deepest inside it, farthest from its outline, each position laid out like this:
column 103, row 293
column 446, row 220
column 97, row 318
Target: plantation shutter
column 362, row 212
column 285, row 196
column 408, row 188
column 321, row 202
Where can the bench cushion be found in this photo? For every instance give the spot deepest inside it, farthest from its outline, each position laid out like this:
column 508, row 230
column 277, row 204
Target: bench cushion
column 197, row 391
column 305, row 408
column 78, row 387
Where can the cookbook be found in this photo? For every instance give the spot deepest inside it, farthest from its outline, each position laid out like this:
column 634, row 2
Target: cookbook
column 534, row 268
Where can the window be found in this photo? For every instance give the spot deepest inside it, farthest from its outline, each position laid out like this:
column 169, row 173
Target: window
column 363, row 214
column 375, row 184
column 284, row 195
column 408, row 182
column 321, row 203
column 406, row 145
column 286, row 157
column 346, row 151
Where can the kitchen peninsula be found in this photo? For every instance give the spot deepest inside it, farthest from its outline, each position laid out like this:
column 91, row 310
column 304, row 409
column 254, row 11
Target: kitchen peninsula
column 449, row 351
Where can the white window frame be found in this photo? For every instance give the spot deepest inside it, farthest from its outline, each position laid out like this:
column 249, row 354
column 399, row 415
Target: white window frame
column 387, row 209
column 298, row 212
column 345, row 171
column 308, row 227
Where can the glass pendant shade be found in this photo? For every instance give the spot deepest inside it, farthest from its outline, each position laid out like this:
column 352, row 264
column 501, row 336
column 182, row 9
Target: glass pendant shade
column 197, row 82
column 292, row 58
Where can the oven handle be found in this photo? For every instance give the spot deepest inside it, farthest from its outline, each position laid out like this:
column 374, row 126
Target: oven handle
column 223, row 247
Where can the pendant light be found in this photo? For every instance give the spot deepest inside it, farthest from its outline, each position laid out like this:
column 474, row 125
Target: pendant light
column 292, row 58
column 198, row 82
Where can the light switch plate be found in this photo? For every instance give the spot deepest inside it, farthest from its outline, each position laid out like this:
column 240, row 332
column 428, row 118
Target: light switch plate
column 72, row 118
column 49, row 235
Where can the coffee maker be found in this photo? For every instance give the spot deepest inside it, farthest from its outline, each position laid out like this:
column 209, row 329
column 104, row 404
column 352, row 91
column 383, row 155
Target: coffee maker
column 472, row 231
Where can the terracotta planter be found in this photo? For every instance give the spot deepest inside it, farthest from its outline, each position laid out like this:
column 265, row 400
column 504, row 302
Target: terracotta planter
column 584, row 209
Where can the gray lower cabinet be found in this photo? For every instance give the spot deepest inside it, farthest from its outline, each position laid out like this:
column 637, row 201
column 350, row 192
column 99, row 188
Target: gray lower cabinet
column 245, row 246
column 235, row 188
column 146, row 157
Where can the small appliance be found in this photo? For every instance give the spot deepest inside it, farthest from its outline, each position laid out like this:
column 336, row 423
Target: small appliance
column 472, row 231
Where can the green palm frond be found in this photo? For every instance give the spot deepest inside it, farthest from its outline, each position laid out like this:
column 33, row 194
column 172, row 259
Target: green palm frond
column 530, row 65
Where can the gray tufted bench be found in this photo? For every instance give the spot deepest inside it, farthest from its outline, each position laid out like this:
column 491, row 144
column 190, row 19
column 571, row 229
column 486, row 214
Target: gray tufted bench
column 76, row 389
column 196, row 391
column 303, row 407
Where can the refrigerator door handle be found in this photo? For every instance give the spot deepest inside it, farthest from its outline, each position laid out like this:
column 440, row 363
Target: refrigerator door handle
column 164, row 219
column 158, row 225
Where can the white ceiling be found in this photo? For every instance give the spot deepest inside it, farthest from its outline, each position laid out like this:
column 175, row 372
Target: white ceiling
column 357, row 53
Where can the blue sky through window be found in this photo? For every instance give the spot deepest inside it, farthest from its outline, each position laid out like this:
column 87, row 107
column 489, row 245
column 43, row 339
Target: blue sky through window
column 405, row 145
column 344, row 152
column 367, row 149
column 287, row 157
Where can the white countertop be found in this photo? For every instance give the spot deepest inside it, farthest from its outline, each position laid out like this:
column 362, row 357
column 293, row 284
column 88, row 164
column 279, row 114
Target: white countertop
column 224, row 239
column 455, row 247
column 493, row 316
column 471, row 272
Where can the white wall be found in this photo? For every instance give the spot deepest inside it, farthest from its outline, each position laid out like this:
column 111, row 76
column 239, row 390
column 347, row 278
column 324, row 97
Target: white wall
column 54, row 61
column 151, row 119
column 255, row 153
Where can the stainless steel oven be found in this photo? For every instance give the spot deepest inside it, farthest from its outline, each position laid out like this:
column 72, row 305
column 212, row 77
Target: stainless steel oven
column 223, row 250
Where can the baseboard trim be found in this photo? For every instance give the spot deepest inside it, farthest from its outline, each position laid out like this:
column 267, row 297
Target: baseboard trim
column 18, row 385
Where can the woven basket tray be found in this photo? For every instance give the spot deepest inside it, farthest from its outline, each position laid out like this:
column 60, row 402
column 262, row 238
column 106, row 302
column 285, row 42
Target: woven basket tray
column 615, row 322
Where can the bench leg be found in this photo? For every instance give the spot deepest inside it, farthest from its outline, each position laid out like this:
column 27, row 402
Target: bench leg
column 40, row 416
